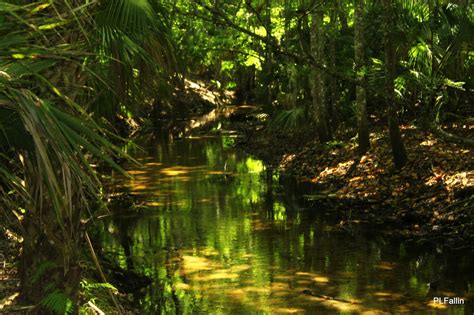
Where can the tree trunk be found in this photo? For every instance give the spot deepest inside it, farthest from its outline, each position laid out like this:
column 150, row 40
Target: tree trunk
column 333, row 108
column 291, row 70
column 396, row 141
column 318, row 77
column 268, row 66
column 359, row 58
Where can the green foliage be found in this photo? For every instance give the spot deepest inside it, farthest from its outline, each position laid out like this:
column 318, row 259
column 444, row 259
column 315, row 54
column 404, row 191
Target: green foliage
column 129, row 16
column 89, row 287
column 98, row 294
column 436, row 37
column 333, row 144
column 420, row 56
column 48, row 140
column 228, row 142
column 96, row 290
column 289, row 119
column 231, row 85
column 58, row 303
column 135, row 53
column 41, row 269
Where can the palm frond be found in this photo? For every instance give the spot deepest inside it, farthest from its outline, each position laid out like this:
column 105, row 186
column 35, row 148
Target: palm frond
column 420, row 57
column 289, row 119
column 47, row 139
column 130, row 16
column 137, row 49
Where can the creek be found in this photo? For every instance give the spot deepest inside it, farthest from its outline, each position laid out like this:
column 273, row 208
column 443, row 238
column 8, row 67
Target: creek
column 218, row 233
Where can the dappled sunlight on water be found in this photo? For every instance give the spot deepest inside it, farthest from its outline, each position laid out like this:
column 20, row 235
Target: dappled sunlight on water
column 218, row 235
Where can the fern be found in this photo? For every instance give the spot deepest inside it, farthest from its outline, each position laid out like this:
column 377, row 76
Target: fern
column 87, row 287
column 58, row 303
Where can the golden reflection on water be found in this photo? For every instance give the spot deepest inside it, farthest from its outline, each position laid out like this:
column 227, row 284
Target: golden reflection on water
column 384, row 265
column 221, row 243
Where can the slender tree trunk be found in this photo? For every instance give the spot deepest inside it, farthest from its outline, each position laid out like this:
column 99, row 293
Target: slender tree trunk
column 398, row 148
column 332, row 110
column 268, row 62
column 305, row 85
column 291, row 70
column 318, row 77
column 359, row 43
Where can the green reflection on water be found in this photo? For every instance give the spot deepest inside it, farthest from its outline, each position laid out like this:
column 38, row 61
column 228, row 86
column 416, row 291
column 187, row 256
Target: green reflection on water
column 217, row 239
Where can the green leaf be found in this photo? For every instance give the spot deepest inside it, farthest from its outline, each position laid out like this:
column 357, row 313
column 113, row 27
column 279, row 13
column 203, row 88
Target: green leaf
column 58, row 302
column 456, row 85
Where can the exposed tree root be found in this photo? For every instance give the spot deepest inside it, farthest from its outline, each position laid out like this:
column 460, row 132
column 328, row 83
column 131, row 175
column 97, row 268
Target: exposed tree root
column 449, row 137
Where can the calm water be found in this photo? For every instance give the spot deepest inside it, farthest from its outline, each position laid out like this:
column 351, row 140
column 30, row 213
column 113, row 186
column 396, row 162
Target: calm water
column 218, row 234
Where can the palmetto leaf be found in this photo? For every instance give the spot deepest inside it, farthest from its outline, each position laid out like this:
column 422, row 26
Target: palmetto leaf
column 420, row 57
column 135, row 42
column 13, row 182
column 61, row 140
column 289, row 119
column 11, row 40
column 134, row 16
column 22, row 68
column 418, row 10
column 47, row 139
column 8, row 7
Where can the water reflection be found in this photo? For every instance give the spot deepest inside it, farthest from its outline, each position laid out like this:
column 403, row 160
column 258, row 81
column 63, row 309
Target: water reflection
column 219, row 235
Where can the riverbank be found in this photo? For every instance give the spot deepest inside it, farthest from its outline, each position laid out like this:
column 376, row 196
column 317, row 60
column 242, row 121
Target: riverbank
column 430, row 200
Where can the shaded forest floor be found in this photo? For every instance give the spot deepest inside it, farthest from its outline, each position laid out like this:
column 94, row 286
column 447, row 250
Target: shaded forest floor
column 429, row 200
